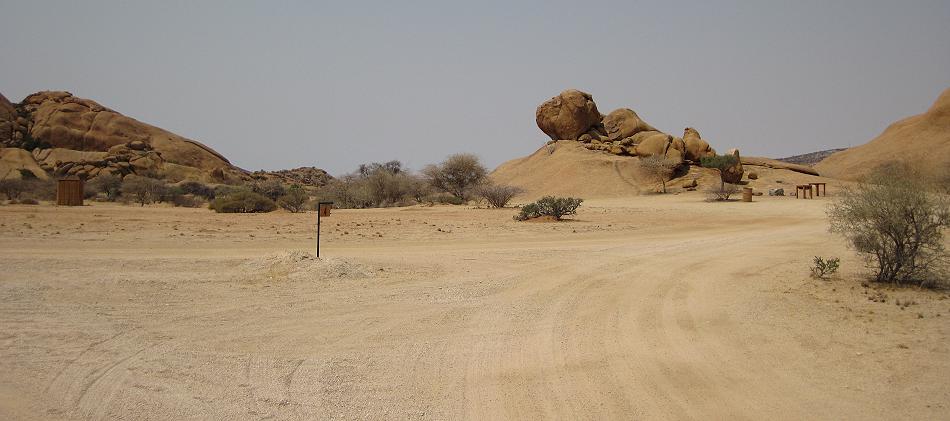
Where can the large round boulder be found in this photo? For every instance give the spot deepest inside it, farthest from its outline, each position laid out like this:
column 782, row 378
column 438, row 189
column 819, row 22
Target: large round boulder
column 696, row 147
column 656, row 144
column 624, row 122
column 568, row 115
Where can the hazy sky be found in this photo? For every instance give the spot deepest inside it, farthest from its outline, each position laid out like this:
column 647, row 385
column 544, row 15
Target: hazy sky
column 333, row 84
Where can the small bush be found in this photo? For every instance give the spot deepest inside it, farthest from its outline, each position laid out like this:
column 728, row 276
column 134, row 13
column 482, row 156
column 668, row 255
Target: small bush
column 557, row 207
column 823, row 268
column 529, row 211
column 186, row 201
column 142, row 190
column 896, row 222
column 295, row 200
column 108, row 184
column 657, row 168
column 271, row 189
column 448, row 199
column 226, row 189
column 243, row 201
column 722, row 192
column 198, row 189
column 29, row 201
column 13, row 188
column 497, row 195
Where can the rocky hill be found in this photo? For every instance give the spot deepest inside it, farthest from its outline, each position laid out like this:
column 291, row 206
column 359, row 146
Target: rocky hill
column 922, row 141
column 304, row 176
column 56, row 134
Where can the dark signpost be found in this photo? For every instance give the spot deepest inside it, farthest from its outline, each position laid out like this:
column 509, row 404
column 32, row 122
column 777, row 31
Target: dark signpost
column 323, row 210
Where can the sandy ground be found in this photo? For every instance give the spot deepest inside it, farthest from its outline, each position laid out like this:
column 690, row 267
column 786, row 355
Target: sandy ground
column 651, row 307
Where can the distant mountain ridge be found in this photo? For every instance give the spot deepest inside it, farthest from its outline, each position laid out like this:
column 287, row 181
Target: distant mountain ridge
column 811, row 158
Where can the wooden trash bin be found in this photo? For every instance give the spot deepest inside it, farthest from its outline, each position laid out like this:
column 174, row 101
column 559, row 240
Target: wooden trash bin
column 69, row 192
column 747, row 194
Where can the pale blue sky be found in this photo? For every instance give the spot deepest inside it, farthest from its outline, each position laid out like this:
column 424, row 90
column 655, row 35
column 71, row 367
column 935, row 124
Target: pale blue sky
column 333, row 84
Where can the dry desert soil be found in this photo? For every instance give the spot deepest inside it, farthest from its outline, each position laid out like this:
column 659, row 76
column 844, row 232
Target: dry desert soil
column 650, row 307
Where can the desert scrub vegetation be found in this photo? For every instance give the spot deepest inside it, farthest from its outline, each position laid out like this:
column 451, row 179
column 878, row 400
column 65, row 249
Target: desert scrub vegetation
column 142, row 190
column 197, row 189
column 657, row 169
column 497, row 195
column 458, row 175
column 13, row 188
column 242, row 201
column 556, row 207
column 109, row 185
column 295, row 200
column 375, row 185
column 722, row 192
column 822, row 268
column 271, row 189
column 895, row 220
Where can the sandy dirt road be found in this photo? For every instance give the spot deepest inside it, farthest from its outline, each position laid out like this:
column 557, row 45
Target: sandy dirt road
column 654, row 307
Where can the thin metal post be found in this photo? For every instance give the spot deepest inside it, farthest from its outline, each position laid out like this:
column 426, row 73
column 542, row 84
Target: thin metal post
column 318, row 230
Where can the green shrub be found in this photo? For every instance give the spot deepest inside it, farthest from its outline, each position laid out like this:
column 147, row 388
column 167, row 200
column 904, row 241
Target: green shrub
column 719, row 162
column 557, row 207
column 529, row 211
column 295, row 200
column 823, row 268
column 896, row 223
column 242, row 201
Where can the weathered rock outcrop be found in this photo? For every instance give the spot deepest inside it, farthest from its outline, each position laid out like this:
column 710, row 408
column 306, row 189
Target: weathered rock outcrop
column 65, row 121
column 623, row 123
column 16, row 162
column 67, row 135
column 734, row 173
column 569, row 115
column 304, row 176
column 696, row 147
column 7, row 120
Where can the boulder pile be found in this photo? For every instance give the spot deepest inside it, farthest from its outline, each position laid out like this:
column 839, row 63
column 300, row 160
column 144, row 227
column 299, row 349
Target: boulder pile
column 573, row 115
